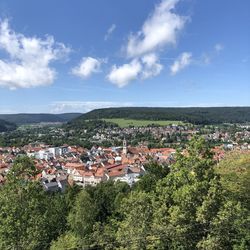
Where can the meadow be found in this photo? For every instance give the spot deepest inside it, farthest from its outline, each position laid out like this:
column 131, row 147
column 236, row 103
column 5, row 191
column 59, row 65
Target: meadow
column 123, row 123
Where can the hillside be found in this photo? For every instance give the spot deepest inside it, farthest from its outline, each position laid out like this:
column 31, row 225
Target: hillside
column 38, row 118
column 68, row 116
column 197, row 115
column 235, row 175
column 6, row 126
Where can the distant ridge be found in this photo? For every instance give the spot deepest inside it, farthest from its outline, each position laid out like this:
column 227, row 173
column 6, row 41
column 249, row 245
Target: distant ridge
column 6, row 126
column 24, row 118
column 195, row 115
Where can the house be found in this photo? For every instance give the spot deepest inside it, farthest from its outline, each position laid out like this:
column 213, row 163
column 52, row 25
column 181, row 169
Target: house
column 51, row 186
column 56, row 185
column 89, row 176
column 125, row 173
column 71, row 166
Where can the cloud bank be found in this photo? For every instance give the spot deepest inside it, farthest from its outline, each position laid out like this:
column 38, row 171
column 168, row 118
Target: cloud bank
column 81, row 106
column 139, row 68
column 28, row 59
column 159, row 30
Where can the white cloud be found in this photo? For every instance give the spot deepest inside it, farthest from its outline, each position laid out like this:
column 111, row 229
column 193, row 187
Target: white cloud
column 122, row 75
column 87, row 67
column 29, row 58
column 80, row 106
column 160, row 29
column 181, row 62
column 110, row 31
column 141, row 68
column 152, row 67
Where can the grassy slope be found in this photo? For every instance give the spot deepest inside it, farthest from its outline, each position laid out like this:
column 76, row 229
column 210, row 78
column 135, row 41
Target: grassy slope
column 140, row 123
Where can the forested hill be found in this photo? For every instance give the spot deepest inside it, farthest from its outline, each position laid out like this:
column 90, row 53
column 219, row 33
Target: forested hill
column 6, row 126
column 196, row 115
column 38, row 118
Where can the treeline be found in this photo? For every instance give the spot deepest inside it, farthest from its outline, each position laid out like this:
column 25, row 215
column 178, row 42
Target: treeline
column 6, row 126
column 78, row 133
column 38, row 118
column 90, row 125
column 210, row 115
column 187, row 205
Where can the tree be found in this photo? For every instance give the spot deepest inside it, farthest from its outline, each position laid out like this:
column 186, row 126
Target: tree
column 94, row 211
column 189, row 202
column 82, row 217
column 29, row 217
column 154, row 172
column 229, row 229
column 134, row 230
column 235, row 175
column 66, row 241
column 22, row 169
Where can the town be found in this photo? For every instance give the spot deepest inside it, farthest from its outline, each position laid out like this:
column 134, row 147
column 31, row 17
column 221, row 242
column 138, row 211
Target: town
column 63, row 165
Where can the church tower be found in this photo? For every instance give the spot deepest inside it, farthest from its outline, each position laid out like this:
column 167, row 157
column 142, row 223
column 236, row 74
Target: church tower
column 125, row 148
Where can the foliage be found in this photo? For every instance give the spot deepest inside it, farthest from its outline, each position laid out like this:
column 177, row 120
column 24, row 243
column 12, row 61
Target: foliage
column 229, row 229
column 22, row 169
column 212, row 115
column 89, row 124
column 82, row 217
column 29, row 217
column 154, row 173
column 6, row 126
column 65, row 242
column 38, row 118
column 235, row 174
column 93, row 207
column 137, row 215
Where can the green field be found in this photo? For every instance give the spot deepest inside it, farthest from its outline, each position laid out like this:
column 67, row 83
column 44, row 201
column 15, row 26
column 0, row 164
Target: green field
column 123, row 123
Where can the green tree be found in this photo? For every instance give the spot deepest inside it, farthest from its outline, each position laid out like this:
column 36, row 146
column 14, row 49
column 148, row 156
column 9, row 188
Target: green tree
column 82, row 217
column 154, row 172
column 22, row 169
column 229, row 229
column 65, row 242
column 235, row 175
column 189, row 199
column 135, row 229
column 107, row 197
column 29, row 217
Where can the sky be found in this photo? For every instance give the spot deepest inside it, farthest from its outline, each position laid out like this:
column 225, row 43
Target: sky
column 75, row 56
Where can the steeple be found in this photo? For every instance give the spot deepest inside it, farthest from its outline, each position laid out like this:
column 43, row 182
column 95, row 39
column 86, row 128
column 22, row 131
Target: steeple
column 125, row 148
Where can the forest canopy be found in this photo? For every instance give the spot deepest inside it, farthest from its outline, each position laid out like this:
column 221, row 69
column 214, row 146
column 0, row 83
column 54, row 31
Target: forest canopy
column 195, row 115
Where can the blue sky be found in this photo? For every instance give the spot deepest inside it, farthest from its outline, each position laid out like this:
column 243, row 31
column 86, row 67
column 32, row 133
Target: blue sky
column 74, row 56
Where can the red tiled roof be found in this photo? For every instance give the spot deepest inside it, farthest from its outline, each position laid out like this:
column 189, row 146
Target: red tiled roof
column 72, row 165
column 116, row 173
